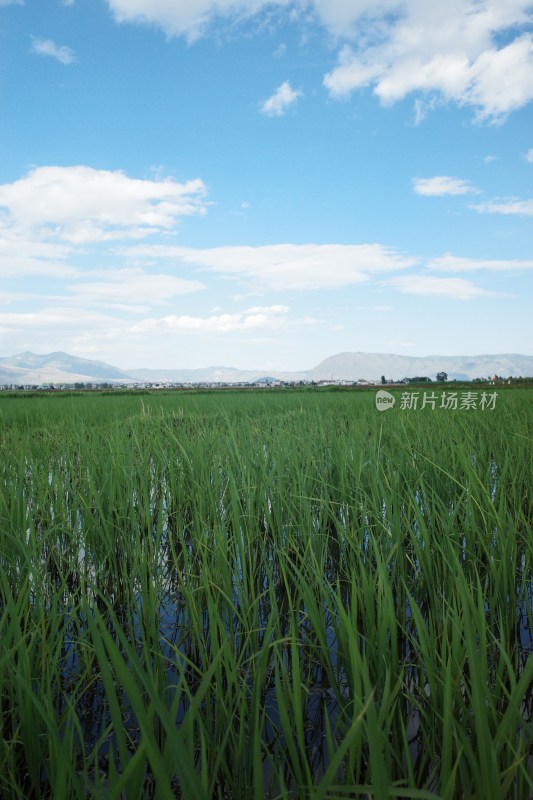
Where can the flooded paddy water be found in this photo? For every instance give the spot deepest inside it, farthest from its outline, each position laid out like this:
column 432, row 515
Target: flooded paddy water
column 248, row 595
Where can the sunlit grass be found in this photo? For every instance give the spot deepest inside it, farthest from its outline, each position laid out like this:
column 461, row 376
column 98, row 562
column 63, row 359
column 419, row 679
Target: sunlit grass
column 246, row 595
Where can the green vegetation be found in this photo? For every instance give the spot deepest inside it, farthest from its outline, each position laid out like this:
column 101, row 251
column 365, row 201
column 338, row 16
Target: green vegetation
column 264, row 595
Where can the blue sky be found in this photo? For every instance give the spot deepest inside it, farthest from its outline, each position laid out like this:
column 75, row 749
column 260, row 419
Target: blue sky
column 186, row 183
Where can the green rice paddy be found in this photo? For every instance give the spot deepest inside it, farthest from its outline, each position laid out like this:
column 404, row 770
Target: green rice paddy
column 265, row 595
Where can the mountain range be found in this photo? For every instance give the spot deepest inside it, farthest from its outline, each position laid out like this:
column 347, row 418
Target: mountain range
column 33, row 369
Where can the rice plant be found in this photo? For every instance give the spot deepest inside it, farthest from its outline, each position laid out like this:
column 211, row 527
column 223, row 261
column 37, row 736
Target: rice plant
column 264, row 595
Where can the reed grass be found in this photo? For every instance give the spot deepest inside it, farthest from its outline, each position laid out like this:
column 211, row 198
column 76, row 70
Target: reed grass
column 264, row 595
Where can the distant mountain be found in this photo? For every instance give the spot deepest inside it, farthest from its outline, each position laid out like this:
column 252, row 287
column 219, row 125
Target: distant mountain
column 361, row 366
column 371, row 366
column 211, row 375
column 32, row 369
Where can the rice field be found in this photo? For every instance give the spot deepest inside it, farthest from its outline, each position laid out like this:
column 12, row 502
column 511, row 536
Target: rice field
column 265, row 595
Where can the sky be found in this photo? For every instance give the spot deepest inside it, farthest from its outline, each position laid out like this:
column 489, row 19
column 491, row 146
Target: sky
column 261, row 185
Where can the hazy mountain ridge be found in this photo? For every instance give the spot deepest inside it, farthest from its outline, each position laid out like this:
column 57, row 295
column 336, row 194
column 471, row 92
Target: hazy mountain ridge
column 371, row 366
column 212, row 374
column 33, row 369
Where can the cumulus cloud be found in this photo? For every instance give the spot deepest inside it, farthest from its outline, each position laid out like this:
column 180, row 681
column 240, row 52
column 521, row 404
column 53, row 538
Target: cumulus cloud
column 282, row 99
column 427, row 285
column 451, row 263
column 501, row 80
column 442, row 185
column 529, row 156
column 512, row 206
column 287, row 266
column 47, row 47
column 57, row 223
column 472, row 52
column 80, row 204
column 256, row 318
column 452, row 51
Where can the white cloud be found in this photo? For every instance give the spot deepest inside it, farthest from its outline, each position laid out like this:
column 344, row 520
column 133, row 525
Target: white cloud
column 422, row 107
column 442, row 185
column 501, row 81
column 426, row 285
column 529, row 156
column 450, row 50
column 509, row 206
column 192, row 18
column 473, row 52
column 11, row 2
column 52, row 322
column 132, row 286
column 256, row 318
column 353, row 73
column 47, row 47
column 22, row 254
column 80, row 204
column 451, row 263
column 56, row 224
column 287, row 266
column 196, row 18
column 7, row 298
column 282, row 99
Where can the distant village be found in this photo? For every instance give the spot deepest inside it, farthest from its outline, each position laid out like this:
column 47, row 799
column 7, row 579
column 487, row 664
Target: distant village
column 260, row 383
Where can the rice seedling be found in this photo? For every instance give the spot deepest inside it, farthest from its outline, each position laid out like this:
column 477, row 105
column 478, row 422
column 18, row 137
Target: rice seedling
column 264, row 595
